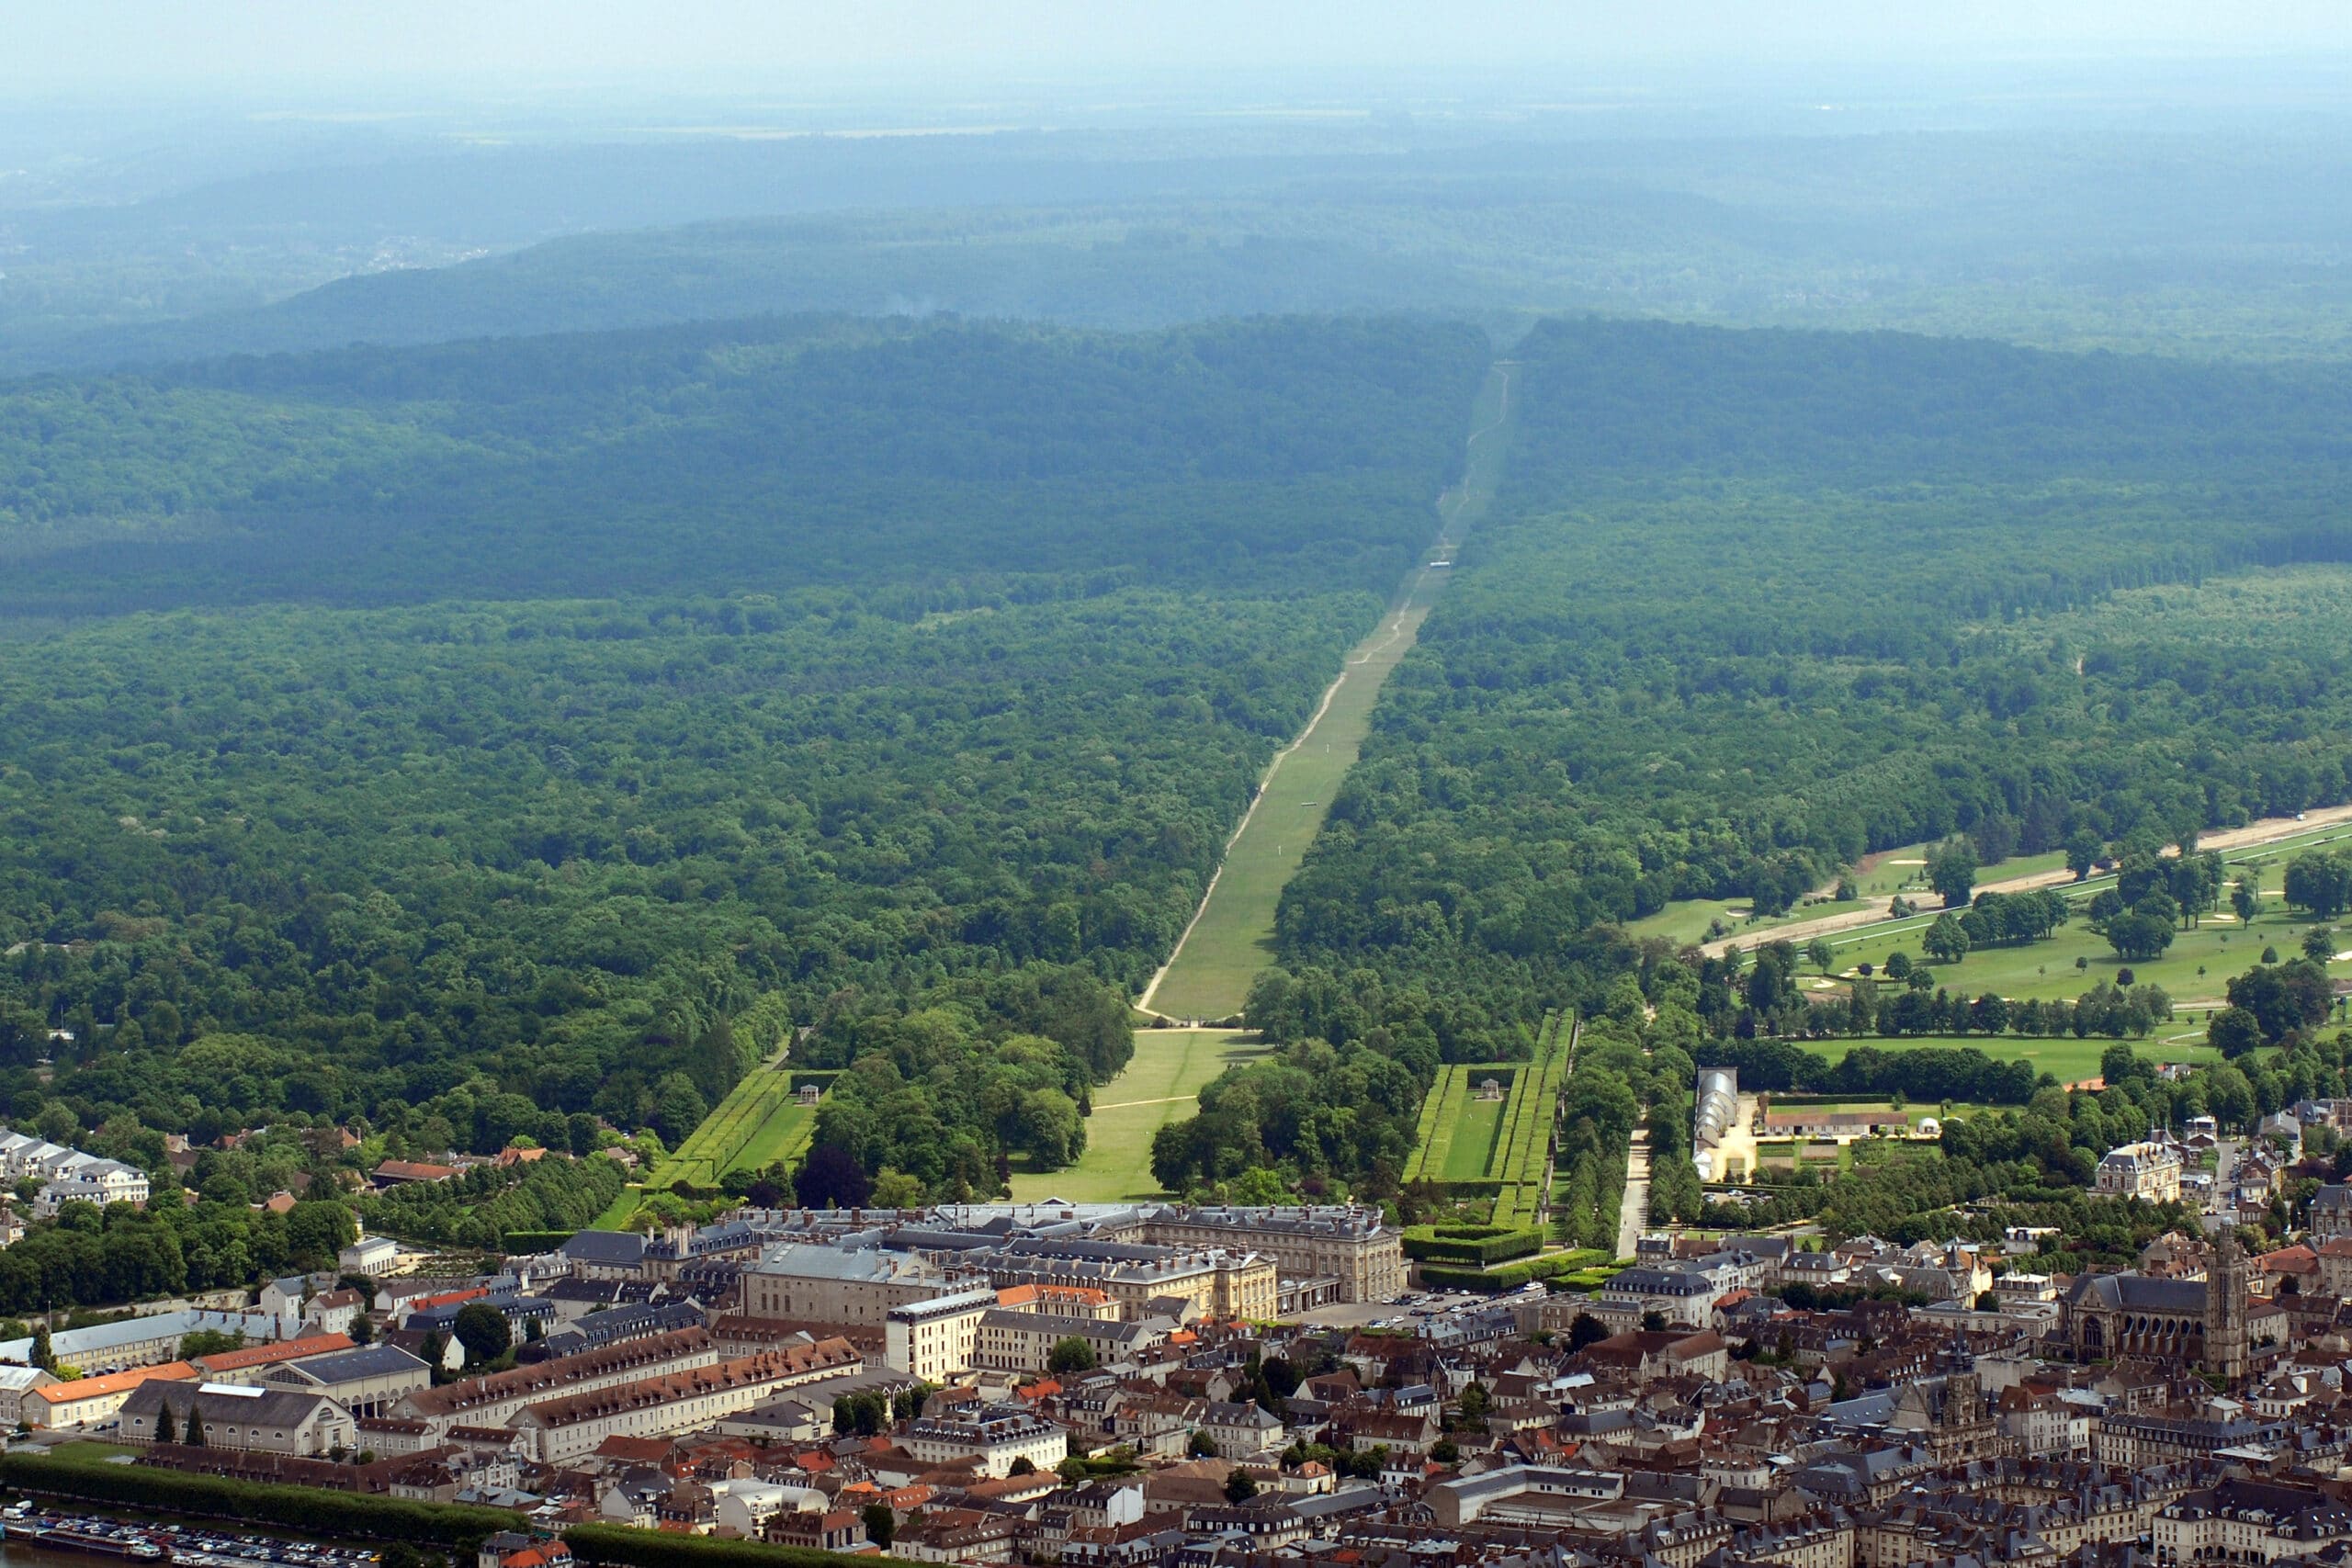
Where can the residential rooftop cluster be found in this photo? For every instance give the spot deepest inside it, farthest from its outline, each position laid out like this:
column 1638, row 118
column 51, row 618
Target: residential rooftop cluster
column 1127, row 1385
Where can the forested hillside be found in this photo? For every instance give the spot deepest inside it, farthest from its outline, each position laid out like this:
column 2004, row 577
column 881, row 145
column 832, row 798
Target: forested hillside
column 1755, row 603
column 940, row 461
column 592, row 711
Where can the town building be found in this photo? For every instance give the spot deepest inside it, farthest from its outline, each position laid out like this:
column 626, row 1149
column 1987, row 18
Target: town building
column 993, row 1437
column 1025, row 1341
column 241, row 1416
column 557, row 1431
column 932, row 1340
column 2331, row 1214
column 140, row 1341
column 1351, row 1245
column 494, row 1399
column 367, row 1382
column 2150, row 1171
column 835, row 1284
column 86, row 1401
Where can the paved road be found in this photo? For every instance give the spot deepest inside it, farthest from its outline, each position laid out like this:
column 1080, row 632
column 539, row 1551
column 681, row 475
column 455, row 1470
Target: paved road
column 1634, row 1214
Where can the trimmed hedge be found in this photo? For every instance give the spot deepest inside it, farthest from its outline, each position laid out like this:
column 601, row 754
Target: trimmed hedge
column 536, row 1241
column 1481, row 1245
column 1510, row 1277
column 1585, row 1280
column 618, row 1544
column 309, row 1510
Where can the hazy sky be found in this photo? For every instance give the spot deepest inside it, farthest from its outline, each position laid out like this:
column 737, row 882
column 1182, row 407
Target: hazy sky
column 87, row 42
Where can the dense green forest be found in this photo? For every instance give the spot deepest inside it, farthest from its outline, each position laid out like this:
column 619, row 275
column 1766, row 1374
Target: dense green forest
column 1752, row 604
column 913, row 654
column 1756, row 603
column 946, row 464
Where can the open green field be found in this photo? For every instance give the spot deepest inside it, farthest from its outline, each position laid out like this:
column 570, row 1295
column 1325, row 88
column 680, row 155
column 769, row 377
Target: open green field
column 1894, row 871
column 1448, row 1101
column 1230, row 940
column 2195, row 969
column 2066, row 1059
column 1903, row 870
column 784, row 1136
column 618, row 1212
column 1696, row 920
column 1161, row 1084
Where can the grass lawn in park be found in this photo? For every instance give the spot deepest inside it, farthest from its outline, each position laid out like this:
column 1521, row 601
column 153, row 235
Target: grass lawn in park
column 616, row 1214
column 2196, row 968
column 2066, row 1059
column 1689, row 920
column 1161, row 1084
column 85, row 1451
column 783, row 1135
column 1472, row 1150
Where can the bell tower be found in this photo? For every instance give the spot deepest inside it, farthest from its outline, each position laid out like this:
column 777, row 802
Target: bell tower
column 2225, row 1292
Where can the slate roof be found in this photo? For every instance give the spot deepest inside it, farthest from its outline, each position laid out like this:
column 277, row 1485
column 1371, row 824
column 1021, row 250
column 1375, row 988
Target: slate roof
column 2137, row 1292
column 350, row 1365
column 623, row 1249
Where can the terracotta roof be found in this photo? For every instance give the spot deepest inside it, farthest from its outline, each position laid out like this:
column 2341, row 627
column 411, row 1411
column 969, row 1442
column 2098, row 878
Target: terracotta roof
column 270, row 1355
column 445, row 1298
column 644, row 1450
column 112, row 1382
column 414, row 1170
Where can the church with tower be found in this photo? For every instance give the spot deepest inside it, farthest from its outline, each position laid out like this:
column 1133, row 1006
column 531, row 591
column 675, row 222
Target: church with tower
column 2180, row 1325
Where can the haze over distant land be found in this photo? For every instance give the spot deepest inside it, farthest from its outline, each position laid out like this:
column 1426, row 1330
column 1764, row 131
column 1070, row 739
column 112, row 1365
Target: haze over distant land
column 148, row 42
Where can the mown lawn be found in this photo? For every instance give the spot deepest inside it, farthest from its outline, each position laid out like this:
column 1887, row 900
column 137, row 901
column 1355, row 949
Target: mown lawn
column 1161, row 1084
column 1473, row 1151
column 2067, row 1059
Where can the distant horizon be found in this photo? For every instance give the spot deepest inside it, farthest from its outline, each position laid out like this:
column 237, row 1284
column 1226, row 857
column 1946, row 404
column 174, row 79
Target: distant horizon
column 542, row 45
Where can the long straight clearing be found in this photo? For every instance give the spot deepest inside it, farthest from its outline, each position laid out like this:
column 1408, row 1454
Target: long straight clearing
column 1230, row 939
column 1161, row 1084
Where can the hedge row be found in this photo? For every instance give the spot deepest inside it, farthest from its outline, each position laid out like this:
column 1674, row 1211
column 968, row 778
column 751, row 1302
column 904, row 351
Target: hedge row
column 1510, row 1277
column 1585, row 1280
column 619, row 1545
column 526, row 1242
column 1479, row 1245
column 310, row 1510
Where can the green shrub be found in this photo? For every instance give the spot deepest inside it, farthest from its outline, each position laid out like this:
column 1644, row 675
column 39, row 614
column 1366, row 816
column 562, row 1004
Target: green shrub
column 1510, row 1277
column 306, row 1509
column 536, row 1241
column 1479, row 1245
